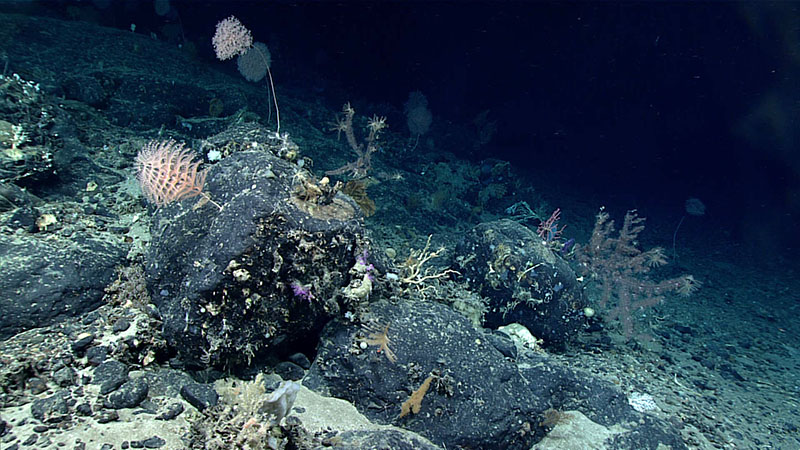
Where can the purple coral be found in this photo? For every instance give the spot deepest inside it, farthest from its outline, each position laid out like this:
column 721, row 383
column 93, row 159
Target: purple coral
column 302, row 291
column 363, row 260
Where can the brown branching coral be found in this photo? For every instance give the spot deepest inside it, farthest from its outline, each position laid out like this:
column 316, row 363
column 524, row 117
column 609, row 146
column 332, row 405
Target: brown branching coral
column 620, row 268
column 363, row 164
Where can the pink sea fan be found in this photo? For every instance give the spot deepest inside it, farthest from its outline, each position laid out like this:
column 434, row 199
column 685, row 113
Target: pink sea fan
column 231, row 39
column 167, row 172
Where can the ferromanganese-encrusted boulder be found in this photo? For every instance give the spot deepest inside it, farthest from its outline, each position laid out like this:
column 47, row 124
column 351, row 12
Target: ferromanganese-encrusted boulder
column 525, row 281
column 262, row 274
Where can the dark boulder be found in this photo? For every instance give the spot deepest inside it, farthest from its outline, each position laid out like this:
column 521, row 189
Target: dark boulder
column 525, row 281
column 477, row 397
column 265, row 272
column 47, row 278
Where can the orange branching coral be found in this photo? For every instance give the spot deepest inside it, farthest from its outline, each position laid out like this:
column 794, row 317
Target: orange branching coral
column 380, row 337
column 414, row 402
